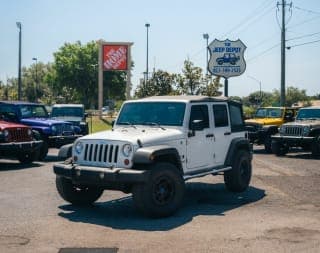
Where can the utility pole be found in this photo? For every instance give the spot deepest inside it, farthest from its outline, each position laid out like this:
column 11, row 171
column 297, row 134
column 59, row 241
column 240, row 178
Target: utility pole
column 19, row 65
column 283, row 53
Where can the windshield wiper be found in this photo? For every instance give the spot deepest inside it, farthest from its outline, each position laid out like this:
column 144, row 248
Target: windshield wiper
column 154, row 124
column 127, row 123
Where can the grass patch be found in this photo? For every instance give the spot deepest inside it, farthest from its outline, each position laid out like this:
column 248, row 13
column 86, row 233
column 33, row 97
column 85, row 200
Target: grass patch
column 97, row 125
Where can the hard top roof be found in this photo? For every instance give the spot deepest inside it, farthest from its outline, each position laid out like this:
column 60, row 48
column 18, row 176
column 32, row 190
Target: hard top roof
column 68, row 105
column 186, row 98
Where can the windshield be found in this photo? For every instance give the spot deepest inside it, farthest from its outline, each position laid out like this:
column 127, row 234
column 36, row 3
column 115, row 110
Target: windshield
column 308, row 114
column 269, row 113
column 33, row 111
column 67, row 111
column 152, row 113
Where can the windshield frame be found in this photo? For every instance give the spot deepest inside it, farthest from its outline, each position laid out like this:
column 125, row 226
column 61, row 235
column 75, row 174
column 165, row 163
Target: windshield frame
column 313, row 113
column 33, row 113
column 152, row 113
column 268, row 113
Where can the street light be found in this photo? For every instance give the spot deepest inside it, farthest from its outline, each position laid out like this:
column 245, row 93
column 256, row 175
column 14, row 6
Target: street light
column 36, row 90
column 206, row 37
column 147, row 63
column 19, row 65
column 259, row 86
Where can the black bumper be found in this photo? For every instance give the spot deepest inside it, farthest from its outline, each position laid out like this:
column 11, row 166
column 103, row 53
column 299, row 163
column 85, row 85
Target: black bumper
column 84, row 175
column 293, row 140
column 15, row 148
column 58, row 141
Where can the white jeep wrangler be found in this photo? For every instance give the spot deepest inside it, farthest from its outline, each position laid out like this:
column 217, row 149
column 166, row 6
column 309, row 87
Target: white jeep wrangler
column 156, row 144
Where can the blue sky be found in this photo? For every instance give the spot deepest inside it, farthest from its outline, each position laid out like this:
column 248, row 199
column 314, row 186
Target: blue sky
column 175, row 34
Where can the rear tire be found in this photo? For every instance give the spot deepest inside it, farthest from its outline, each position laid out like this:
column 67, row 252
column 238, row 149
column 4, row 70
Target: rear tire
column 26, row 158
column 315, row 147
column 238, row 178
column 279, row 149
column 77, row 195
column 162, row 194
column 267, row 144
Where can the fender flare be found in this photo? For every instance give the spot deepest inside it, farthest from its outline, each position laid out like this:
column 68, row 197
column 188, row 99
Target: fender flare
column 235, row 145
column 65, row 151
column 149, row 155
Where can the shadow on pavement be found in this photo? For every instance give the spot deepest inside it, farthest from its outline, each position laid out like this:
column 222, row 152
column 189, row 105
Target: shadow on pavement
column 7, row 166
column 200, row 199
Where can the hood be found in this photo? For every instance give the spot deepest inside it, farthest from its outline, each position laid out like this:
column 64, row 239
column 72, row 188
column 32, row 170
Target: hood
column 68, row 118
column 144, row 134
column 41, row 121
column 5, row 124
column 265, row 121
column 304, row 123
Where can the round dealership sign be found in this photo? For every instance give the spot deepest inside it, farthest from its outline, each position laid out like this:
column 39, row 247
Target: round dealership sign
column 226, row 58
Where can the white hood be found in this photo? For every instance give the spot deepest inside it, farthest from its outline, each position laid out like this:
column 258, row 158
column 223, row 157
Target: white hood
column 144, row 134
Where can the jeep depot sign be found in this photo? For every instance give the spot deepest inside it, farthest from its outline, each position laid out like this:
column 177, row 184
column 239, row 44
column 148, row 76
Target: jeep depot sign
column 226, row 58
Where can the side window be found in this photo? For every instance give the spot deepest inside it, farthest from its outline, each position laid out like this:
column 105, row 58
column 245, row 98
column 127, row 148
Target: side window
column 220, row 114
column 237, row 123
column 200, row 112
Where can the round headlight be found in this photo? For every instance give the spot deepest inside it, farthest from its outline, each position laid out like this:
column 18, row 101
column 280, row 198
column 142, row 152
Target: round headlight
column 6, row 133
column 29, row 132
column 53, row 128
column 306, row 130
column 79, row 147
column 127, row 150
column 282, row 129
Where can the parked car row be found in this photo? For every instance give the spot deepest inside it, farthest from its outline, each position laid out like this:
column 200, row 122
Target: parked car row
column 282, row 128
column 27, row 130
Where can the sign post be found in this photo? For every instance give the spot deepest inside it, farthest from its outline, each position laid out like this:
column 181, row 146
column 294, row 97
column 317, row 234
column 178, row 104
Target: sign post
column 114, row 56
column 226, row 59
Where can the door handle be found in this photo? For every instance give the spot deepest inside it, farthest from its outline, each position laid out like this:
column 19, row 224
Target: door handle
column 227, row 133
column 209, row 135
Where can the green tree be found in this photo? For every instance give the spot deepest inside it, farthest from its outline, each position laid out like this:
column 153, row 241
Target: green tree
column 293, row 96
column 211, row 87
column 191, row 80
column 161, row 83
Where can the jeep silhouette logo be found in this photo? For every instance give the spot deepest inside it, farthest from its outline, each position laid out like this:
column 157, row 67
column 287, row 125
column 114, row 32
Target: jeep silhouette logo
column 226, row 58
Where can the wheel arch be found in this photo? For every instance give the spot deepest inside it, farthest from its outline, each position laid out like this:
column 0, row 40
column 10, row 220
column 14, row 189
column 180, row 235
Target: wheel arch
column 160, row 153
column 237, row 144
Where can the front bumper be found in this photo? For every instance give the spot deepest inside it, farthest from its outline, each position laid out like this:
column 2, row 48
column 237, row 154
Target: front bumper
column 15, row 148
column 103, row 177
column 293, row 140
column 58, row 141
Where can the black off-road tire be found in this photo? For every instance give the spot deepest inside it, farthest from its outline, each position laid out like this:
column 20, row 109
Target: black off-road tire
column 77, row 195
column 279, row 149
column 267, row 144
column 44, row 149
column 162, row 194
column 26, row 158
column 315, row 147
column 238, row 178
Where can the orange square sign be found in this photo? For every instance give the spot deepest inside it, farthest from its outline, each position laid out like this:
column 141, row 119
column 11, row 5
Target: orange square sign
column 115, row 57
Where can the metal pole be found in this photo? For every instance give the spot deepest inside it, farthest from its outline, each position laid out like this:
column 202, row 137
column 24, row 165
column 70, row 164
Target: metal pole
column 19, row 25
column 206, row 36
column 147, row 63
column 37, row 85
column 226, row 87
column 100, row 79
column 283, row 57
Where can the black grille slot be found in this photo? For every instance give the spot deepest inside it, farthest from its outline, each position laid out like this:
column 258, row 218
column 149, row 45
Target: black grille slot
column 293, row 130
column 19, row 134
column 103, row 153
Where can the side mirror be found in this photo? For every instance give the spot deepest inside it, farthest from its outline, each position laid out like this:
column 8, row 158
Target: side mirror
column 113, row 122
column 85, row 115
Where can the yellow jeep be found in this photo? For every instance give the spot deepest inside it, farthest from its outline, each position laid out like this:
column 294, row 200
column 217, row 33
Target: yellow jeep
column 266, row 122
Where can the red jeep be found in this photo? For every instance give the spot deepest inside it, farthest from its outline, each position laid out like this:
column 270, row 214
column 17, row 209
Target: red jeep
column 17, row 141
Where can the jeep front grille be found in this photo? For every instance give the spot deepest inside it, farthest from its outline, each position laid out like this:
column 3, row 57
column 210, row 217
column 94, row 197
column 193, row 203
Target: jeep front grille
column 103, row 153
column 293, row 130
column 63, row 129
column 18, row 134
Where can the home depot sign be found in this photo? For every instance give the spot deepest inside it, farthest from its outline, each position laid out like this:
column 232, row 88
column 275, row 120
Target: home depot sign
column 115, row 57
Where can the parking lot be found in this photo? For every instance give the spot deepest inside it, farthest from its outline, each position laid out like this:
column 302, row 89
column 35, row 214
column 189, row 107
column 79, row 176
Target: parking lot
column 280, row 212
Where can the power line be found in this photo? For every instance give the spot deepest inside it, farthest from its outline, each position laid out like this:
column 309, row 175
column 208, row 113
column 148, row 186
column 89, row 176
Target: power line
column 264, row 52
column 252, row 15
column 303, row 36
column 303, row 22
column 306, row 10
column 306, row 43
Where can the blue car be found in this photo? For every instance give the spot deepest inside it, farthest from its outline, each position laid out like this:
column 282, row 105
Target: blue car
column 53, row 133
